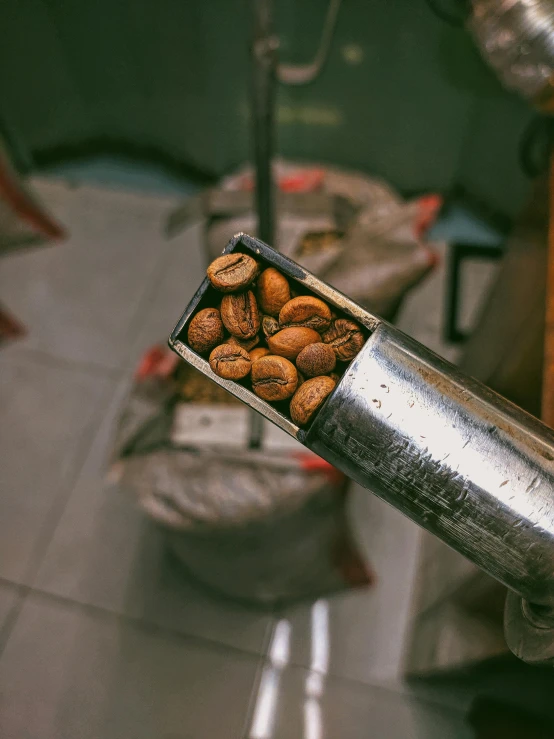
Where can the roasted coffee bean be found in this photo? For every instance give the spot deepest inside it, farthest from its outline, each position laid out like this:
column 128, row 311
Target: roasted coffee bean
column 232, row 272
column 258, row 353
column 309, row 397
column 297, row 328
column 247, row 344
column 345, row 337
column 289, row 342
column 230, row 362
column 205, row 330
column 316, row 359
column 307, row 311
column 273, row 291
column 270, row 326
column 274, row 378
column 240, row 316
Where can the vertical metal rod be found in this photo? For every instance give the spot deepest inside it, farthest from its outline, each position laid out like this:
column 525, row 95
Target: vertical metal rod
column 264, row 68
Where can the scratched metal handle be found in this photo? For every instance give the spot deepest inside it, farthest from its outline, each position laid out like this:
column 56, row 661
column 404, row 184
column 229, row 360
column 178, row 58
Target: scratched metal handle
column 458, row 459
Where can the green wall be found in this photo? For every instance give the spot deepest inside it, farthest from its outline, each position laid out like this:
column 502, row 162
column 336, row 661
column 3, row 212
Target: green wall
column 403, row 96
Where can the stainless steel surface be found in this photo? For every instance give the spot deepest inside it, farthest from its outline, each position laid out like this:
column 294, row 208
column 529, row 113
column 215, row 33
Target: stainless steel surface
column 529, row 630
column 461, row 461
column 517, row 39
column 302, row 74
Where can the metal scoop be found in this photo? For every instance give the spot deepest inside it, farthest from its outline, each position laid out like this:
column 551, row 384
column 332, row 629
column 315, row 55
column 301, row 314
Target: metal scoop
column 456, row 458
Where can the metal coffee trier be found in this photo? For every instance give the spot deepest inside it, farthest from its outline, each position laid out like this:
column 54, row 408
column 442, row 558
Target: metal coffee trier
column 455, row 457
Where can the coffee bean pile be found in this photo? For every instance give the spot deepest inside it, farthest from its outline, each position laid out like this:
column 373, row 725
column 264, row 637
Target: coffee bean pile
column 291, row 347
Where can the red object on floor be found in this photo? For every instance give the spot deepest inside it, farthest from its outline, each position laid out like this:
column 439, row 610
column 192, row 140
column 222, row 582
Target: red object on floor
column 23, row 222
column 20, row 200
column 351, row 565
column 159, row 361
column 10, row 327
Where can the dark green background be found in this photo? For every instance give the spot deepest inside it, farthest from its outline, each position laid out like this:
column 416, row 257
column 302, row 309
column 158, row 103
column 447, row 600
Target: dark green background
column 421, row 108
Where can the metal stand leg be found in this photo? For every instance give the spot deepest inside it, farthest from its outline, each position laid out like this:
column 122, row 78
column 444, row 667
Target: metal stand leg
column 264, row 69
column 458, row 254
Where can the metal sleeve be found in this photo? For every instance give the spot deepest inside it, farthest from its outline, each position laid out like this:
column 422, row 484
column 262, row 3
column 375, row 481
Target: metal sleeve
column 456, row 458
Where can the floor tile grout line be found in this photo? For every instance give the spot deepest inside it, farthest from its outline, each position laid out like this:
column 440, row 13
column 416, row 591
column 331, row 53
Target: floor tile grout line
column 37, row 554
column 281, row 613
column 147, row 297
column 52, row 519
column 389, row 690
column 446, row 707
column 44, row 539
column 12, row 617
column 135, row 622
column 152, row 628
column 12, row 585
column 252, row 698
column 251, row 707
column 151, row 286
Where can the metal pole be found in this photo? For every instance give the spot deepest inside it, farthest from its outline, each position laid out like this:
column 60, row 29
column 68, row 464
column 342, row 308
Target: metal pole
column 264, row 67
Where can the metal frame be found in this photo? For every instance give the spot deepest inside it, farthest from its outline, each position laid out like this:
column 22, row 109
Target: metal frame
column 458, row 253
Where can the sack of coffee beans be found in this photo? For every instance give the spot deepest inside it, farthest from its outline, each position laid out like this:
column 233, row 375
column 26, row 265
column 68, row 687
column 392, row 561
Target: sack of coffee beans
column 266, row 526
column 351, row 230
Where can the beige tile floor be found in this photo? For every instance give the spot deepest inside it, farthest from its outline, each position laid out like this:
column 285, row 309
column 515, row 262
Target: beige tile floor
column 100, row 636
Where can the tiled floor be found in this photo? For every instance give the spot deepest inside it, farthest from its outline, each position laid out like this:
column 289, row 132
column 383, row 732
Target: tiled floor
column 68, row 673
column 101, row 635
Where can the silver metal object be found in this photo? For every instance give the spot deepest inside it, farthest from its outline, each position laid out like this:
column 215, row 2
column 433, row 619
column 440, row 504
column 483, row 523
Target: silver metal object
column 459, row 460
column 517, row 38
column 302, row 74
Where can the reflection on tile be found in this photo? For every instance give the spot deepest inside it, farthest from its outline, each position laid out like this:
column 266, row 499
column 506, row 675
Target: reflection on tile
column 80, row 298
column 46, row 415
column 66, row 674
column 105, row 552
column 295, row 702
column 367, row 628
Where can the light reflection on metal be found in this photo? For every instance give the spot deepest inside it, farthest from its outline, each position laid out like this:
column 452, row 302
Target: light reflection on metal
column 516, row 37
